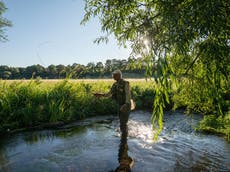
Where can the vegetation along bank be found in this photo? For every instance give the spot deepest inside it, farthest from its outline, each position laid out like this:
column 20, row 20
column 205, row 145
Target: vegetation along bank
column 29, row 104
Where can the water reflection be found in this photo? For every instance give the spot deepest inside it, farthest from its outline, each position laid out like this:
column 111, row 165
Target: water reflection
column 179, row 148
column 50, row 135
column 125, row 161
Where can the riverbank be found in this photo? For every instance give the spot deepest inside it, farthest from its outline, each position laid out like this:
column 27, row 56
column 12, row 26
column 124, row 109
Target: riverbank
column 28, row 104
column 41, row 104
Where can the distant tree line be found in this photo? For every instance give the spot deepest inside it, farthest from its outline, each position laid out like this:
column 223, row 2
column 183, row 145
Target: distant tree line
column 132, row 68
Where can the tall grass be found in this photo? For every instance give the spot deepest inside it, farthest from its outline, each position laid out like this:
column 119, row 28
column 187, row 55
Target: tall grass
column 27, row 104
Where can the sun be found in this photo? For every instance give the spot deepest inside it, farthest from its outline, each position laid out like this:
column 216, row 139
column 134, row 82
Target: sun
column 146, row 42
column 146, row 46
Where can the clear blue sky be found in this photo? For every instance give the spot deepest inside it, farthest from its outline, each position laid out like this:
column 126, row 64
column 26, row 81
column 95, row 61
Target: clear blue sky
column 49, row 32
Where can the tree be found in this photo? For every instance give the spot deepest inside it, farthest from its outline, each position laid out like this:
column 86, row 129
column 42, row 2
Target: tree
column 131, row 63
column 108, row 66
column 61, row 71
column 6, row 74
column 3, row 22
column 35, row 71
column 68, row 71
column 79, row 70
column 99, row 67
column 116, row 64
column 182, row 39
column 22, row 71
column 52, row 71
column 15, row 72
column 91, row 67
column 123, row 64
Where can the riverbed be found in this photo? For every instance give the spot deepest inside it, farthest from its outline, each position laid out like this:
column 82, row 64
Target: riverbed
column 92, row 145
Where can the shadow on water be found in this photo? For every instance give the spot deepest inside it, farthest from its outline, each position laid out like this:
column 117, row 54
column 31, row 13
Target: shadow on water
column 95, row 145
column 125, row 161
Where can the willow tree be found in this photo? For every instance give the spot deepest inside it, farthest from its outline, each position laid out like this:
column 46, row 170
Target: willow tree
column 3, row 22
column 185, row 41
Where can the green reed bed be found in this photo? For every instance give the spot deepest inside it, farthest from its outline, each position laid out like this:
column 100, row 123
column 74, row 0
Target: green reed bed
column 28, row 104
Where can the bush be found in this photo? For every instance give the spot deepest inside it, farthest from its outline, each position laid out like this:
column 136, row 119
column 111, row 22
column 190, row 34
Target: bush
column 220, row 125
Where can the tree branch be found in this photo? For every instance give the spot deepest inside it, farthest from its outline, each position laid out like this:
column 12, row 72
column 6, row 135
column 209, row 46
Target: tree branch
column 194, row 60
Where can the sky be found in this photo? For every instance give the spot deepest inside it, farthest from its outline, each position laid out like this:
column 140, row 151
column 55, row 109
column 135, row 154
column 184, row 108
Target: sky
column 49, row 32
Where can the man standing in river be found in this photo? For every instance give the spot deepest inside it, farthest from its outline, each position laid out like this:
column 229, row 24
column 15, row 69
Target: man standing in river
column 120, row 92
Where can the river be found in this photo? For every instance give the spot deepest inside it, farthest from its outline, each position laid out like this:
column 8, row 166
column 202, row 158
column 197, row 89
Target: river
column 92, row 145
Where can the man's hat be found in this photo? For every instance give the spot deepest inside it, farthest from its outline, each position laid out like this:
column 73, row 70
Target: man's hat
column 117, row 72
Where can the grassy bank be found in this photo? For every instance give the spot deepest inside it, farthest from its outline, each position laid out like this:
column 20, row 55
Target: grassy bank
column 220, row 126
column 30, row 103
column 25, row 104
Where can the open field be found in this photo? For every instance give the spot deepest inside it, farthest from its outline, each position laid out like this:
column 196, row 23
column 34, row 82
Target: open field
column 142, row 82
column 78, row 80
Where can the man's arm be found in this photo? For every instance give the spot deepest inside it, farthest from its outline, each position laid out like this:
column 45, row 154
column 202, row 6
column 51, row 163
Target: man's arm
column 127, row 94
column 104, row 94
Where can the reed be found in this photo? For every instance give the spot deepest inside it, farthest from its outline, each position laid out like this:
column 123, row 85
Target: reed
column 25, row 104
column 29, row 103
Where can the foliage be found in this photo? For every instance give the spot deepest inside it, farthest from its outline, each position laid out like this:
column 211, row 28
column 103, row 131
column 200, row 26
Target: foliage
column 3, row 22
column 143, row 94
column 131, row 69
column 31, row 103
column 220, row 125
column 184, row 44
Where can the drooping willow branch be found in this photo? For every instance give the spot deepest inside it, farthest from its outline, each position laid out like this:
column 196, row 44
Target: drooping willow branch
column 193, row 62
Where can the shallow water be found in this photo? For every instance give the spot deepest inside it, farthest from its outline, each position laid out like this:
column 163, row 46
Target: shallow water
column 92, row 146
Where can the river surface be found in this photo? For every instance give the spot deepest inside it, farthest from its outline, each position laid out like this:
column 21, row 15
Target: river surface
column 92, row 146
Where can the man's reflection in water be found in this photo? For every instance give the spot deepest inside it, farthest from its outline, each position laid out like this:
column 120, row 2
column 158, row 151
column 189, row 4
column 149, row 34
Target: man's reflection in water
column 125, row 161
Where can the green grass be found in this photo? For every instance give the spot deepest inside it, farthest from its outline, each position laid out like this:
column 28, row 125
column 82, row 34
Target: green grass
column 219, row 126
column 29, row 103
column 25, row 104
